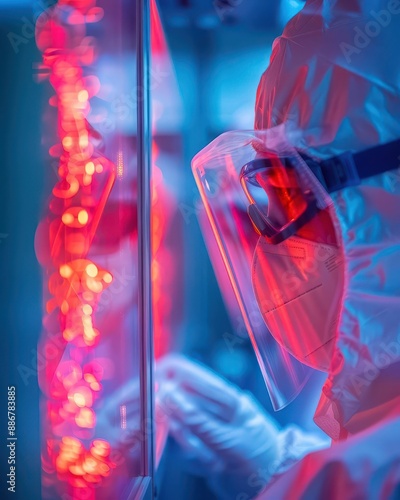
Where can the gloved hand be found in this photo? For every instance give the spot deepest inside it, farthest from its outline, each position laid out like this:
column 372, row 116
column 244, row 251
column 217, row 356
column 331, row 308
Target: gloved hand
column 222, row 433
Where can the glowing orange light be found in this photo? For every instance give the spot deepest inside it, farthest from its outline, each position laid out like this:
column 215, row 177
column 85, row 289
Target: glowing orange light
column 95, row 386
column 79, row 399
column 87, row 309
column 94, row 285
column 69, row 335
column 67, row 218
column 76, row 470
column 71, row 443
column 107, row 278
column 91, row 380
column 86, row 418
column 65, row 271
column 104, row 469
column 84, row 140
column 64, row 307
column 87, row 322
column 87, row 180
column 155, row 271
column 83, row 217
column 101, row 444
column 91, row 270
column 90, row 465
column 82, row 397
column 61, row 191
column 67, row 142
column 83, row 96
column 88, row 296
column 77, row 206
column 90, row 168
column 61, row 464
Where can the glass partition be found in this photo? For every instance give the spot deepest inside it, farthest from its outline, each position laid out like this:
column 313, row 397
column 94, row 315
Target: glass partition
column 93, row 243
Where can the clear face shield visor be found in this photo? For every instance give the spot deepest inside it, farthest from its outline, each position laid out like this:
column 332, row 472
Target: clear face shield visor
column 273, row 224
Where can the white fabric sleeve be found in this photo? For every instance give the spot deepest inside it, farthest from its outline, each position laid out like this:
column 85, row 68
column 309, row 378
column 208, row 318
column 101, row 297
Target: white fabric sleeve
column 366, row 465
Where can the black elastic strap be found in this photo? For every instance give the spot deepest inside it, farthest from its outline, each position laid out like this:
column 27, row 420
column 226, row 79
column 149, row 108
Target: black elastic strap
column 349, row 169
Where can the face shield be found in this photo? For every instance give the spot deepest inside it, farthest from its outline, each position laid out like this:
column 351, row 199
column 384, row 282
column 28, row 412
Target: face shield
column 261, row 200
column 269, row 210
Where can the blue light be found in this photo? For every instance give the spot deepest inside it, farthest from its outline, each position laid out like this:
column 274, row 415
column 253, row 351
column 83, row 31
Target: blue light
column 15, row 3
column 288, row 9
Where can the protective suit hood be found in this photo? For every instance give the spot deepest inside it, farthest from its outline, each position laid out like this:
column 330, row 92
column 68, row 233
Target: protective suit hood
column 325, row 80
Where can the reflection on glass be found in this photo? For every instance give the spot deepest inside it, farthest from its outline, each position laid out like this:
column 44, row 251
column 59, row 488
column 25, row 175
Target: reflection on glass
column 87, row 245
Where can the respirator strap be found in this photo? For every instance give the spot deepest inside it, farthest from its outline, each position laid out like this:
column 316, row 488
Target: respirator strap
column 348, row 169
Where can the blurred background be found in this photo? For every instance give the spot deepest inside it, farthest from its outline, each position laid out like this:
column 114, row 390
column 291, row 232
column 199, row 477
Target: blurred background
column 208, row 56
column 21, row 200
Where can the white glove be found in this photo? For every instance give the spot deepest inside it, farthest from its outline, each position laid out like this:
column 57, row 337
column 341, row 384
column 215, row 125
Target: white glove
column 222, row 432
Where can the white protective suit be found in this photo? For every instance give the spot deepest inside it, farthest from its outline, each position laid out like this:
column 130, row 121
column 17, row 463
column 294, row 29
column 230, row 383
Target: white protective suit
column 344, row 94
column 335, row 77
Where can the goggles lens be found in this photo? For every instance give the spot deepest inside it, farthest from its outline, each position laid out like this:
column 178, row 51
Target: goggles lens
column 279, row 205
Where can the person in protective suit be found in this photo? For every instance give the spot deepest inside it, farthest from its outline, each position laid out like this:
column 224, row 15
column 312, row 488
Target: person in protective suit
column 332, row 79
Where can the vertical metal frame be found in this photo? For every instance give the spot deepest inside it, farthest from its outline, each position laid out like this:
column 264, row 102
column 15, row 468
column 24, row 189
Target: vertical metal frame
column 144, row 239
